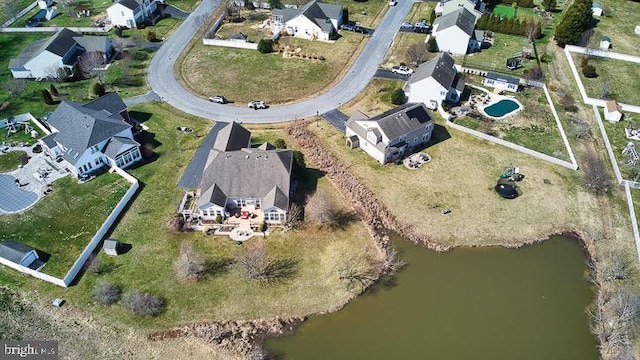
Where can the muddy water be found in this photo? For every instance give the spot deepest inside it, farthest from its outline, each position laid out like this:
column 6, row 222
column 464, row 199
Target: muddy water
column 488, row 303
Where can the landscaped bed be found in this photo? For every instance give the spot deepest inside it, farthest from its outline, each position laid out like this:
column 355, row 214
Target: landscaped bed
column 62, row 223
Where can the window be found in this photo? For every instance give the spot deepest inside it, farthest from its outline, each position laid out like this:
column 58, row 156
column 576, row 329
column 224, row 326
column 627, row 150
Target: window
column 443, row 93
column 98, row 161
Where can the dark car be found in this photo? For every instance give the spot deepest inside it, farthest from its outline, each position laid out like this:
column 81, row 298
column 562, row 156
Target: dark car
column 348, row 27
column 361, row 30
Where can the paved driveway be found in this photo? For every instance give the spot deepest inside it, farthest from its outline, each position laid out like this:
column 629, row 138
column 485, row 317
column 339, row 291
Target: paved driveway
column 337, row 118
column 163, row 80
column 388, row 74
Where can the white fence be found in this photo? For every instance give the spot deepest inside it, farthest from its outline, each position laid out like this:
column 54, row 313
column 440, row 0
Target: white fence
column 108, row 223
column 53, row 29
column 34, row 273
column 240, row 44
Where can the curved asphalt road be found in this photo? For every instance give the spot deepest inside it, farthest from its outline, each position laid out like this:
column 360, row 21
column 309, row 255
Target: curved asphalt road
column 163, row 81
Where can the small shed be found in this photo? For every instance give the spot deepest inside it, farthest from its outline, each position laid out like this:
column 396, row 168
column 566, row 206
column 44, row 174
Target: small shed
column 112, row 247
column 596, row 8
column 637, row 30
column 19, row 253
column 605, row 43
column 613, row 111
column 513, row 63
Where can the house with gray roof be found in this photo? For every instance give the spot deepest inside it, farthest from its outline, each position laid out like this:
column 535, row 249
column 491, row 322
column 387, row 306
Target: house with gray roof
column 435, row 81
column 132, row 13
column 49, row 58
column 314, row 20
column 391, row 135
column 454, row 32
column 240, row 178
column 89, row 137
column 475, row 7
column 501, row 82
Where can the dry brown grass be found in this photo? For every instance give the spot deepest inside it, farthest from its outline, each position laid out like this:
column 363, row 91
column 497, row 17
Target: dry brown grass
column 398, row 51
column 376, row 98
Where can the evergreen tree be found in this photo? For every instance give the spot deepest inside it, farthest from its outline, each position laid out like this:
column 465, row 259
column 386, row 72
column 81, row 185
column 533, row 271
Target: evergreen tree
column 576, row 20
column 397, row 97
column 46, row 97
column 265, row 46
column 98, row 89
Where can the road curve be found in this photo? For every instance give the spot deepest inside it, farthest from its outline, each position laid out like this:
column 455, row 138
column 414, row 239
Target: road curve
column 163, row 81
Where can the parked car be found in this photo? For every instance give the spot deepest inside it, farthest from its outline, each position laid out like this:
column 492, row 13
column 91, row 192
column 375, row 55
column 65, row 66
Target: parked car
column 218, row 99
column 422, row 25
column 402, row 70
column 348, row 27
column 258, row 104
column 360, row 29
column 393, row 2
column 406, row 25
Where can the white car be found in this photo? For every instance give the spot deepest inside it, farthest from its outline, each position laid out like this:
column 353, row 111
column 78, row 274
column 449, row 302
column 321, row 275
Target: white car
column 218, row 99
column 255, row 105
column 393, row 3
column 402, row 70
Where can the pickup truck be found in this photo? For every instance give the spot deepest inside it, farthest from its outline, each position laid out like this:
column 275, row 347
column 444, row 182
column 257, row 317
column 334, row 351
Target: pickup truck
column 401, row 70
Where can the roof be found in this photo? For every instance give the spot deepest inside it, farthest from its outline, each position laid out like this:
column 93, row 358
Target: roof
column 503, row 78
column 232, row 137
column 441, row 68
column 92, row 43
column 248, row 173
column 596, row 5
column 461, row 18
column 266, row 146
column 319, row 13
column 111, row 102
column 14, row 251
column 397, row 121
column 118, row 145
column 130, row 4
column 606, row 38
column 612, row 106
column 80, row 127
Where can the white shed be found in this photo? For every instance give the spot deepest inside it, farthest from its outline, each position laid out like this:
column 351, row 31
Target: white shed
column 637, row 30
column 596, row 9
column 605, row 43
column 613, row 111
column 112, row 247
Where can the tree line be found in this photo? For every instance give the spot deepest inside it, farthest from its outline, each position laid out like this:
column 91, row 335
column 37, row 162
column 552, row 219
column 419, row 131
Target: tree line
column 577, row 18
column 529, row 28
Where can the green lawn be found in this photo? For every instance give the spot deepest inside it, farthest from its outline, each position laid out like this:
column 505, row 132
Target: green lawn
column 21, row 137
column 619, row 23
column 494, row 58
column 224, row 294
column 62, row 223
column 616, row 73
column 419, row 11
column 504, row 10
column 374, row 99
column 10, row 161
column 616, row 134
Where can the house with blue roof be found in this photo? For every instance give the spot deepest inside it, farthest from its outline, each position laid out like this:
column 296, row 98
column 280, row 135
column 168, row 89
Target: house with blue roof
column 87, row 138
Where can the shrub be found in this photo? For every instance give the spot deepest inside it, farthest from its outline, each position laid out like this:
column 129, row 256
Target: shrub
column 98, row 89
column 262, row 227
column 143, row 303
column 106, row 293
column 397, row 97
column 219, row 219
column 432, row 45
column 119, row 32
column 280, row 144
column 589, row 71
column 265, row 46
column 53, row 90
column 189, row 266
column 140, row 56
column 151, row 36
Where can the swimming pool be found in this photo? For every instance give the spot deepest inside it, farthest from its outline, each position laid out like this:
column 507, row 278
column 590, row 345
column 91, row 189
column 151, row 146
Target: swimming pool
column 502, row 108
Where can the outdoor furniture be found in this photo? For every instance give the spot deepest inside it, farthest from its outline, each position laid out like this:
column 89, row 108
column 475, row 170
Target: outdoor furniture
column 244, row 215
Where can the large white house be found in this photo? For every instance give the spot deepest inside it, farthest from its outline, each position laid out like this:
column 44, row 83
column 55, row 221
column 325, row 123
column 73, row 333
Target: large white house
column 391, row 135
column 454, row 32
column 47, row 58
column 475, row 7
column 91, row 136
column 314, row 20
column 435, row 81
column 131, row 13
column 231, row 177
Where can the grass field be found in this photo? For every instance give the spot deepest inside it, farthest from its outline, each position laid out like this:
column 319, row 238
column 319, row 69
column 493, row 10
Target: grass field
column 244, row 75
column 615, row 73
column 616, row 134
column 494, row 58
column 398, row 51
column 420, row 11
column 62, row 223
column 618, row 23
column 505, row 11
column 375, row 98
column 224, row 294
column 10, row 161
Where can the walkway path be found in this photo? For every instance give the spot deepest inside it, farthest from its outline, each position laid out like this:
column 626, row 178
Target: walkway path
column 164, row 82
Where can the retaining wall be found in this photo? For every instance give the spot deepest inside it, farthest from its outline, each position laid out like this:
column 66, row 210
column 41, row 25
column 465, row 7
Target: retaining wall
column 230, row 43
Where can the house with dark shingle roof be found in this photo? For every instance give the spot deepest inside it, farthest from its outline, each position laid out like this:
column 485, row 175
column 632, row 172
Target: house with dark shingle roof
column 20, row 254
column 391, row 135
column 132, row 13
column 238, row 178
column 46, row 58
column 475, row 7
column 91, row 136
column 435, row 81
column 314, row 20
column 454, row 32
column 501, row 82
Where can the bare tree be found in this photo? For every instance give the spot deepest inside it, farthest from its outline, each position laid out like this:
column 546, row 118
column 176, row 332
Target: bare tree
column 189, row 266
column 11, row 8
column 356, row 271
column 595, row 176
column 417, row 53
column 231, row 11
column 392, row 262
column 580, row 128
column 90, row 65
column 535, row 73
column 568, row 102
column 56, row 73
column 294, row 216
column 605, row 89
column 255, row 264
column 320, row 210
column 532, row 30
column 106, row 293
column 15, row 87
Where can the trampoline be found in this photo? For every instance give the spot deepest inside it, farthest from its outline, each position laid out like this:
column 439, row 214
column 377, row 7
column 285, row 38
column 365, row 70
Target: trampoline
column 506, row 190
column 12, row 198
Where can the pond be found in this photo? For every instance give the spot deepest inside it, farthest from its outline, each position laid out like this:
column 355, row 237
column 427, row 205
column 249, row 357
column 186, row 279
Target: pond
column 472, row 303
column 502, row 108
